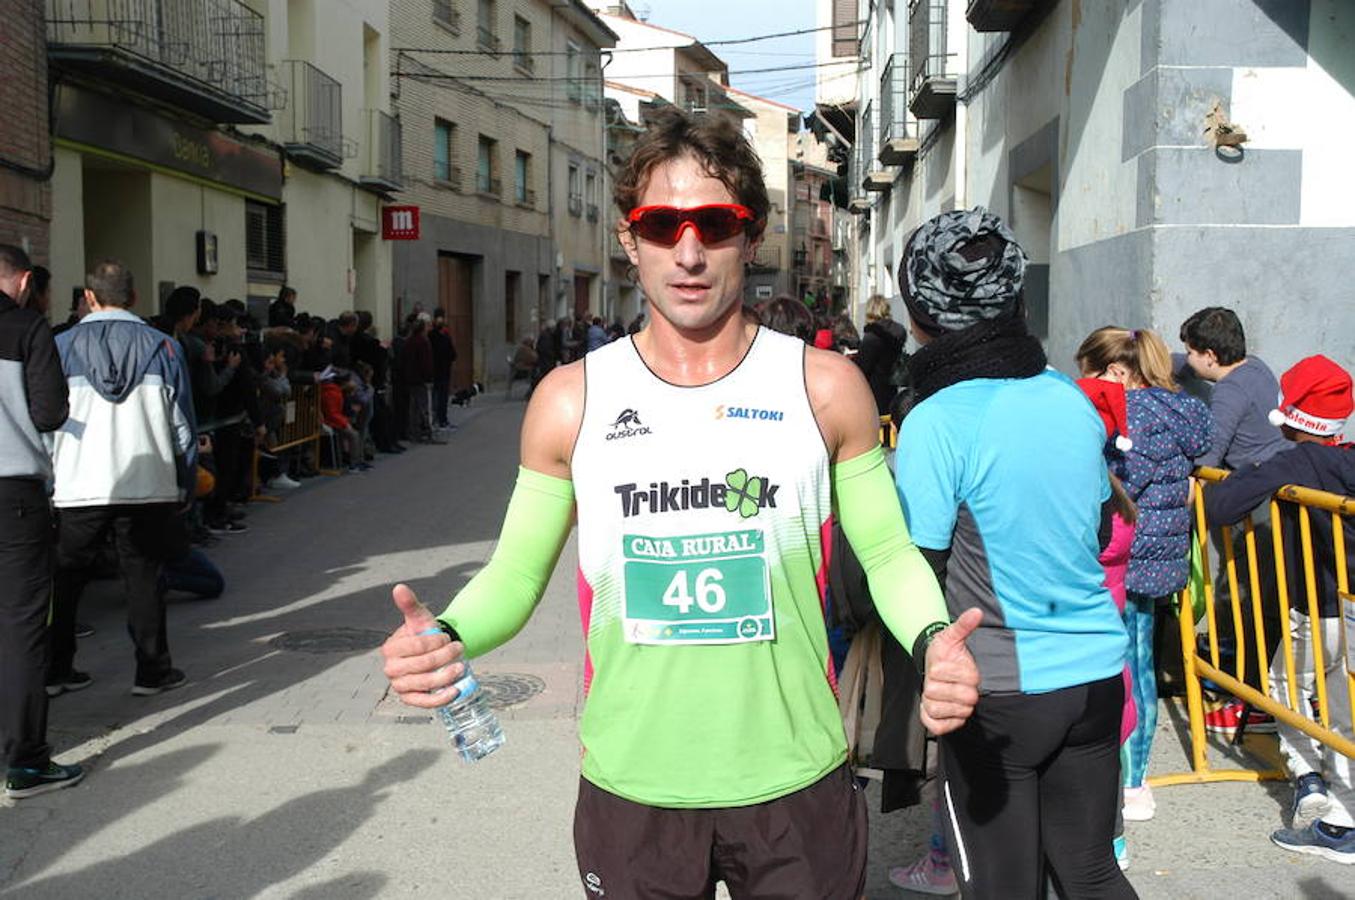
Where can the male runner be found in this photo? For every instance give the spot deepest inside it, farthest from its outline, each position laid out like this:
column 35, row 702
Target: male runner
column 704, row 461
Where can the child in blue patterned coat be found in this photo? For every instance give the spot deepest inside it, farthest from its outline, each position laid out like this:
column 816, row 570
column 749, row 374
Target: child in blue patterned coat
column 1168, row 430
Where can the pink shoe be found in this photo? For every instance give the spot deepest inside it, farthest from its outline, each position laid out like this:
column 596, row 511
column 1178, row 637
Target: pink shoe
column 925, row 877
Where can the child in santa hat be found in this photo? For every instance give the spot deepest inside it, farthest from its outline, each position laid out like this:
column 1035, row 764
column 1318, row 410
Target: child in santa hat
column 1108, row 398
column 1315, row 402
column 1168, row 431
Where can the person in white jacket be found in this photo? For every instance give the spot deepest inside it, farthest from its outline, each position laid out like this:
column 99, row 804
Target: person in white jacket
column 123, row 462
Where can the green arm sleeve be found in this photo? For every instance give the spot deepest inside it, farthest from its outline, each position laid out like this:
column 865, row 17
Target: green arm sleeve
column 500, row 599
column 901, row 581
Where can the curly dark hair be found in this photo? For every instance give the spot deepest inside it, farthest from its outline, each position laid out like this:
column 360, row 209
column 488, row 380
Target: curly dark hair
column 718, row 144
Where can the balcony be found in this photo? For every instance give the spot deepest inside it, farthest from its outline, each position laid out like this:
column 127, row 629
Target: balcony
column 766, row 258
column 873, row 176
column 203, row 56
column 897, row 148
column 932, row 81
column 575, row 204
column 381, row 153
column 592, row 212
column 447, row 16
column 999, row 15
column 311, row 125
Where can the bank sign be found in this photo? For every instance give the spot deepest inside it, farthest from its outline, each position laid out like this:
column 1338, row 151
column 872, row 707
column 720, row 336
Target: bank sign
column 400, row 223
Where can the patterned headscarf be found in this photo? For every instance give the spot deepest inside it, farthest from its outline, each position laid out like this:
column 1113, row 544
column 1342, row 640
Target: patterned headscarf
column 961, row 268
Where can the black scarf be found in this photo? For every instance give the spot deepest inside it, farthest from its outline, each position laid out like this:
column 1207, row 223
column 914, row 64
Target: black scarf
column 997, row 348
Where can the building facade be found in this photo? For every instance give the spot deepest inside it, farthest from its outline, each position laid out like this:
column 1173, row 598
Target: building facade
column 501, row 103
column 234, row 145
column 25, row 142
column 1153, row 157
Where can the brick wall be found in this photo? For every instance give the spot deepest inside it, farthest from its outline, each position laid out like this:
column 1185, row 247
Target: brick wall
column 25, row 143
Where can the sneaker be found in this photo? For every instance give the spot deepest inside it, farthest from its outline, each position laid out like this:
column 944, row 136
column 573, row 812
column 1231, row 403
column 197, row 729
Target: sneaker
column 227, row 528
column 1139, row 805
column 83, row 630
column 925, row 877
column 1227, row 717
column 1314, row 841
column 20, row 783
column 1311, row 801
column 167, row 682
column 75, row 681
column 284, row 483
column 1121, row 847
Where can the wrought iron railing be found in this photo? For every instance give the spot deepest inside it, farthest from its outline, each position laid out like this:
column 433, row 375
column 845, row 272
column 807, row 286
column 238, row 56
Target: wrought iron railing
column 927, row 41
column 312, row 123
column 576, row 204
column 382, row 149
column 894, row 99
column 215, row 47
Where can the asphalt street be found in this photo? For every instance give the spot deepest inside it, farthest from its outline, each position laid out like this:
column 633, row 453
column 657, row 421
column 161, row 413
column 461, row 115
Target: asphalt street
column 283, row 769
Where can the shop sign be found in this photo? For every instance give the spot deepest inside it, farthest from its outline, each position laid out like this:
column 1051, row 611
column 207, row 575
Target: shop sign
column 108, row 123
column 400, row 223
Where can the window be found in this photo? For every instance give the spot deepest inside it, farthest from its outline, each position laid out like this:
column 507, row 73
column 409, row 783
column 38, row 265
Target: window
column 512, row 282
column 446, row 15
column 522, row 172
column 590, row 194
column 573, row 65
column 486, row 166
column 443, row 154
column 592, row 84
column 485, row 38
column 522, row 44
column 575, row 193
column 265, row 239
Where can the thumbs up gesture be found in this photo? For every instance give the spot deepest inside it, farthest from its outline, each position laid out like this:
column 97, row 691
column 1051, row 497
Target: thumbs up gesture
column 951, row 686
column 420, row 665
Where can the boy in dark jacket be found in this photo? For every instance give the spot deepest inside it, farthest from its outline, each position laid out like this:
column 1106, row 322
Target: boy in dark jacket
column 1315, row 402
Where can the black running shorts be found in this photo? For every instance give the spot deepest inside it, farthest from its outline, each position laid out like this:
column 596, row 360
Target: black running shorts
column 809, row 844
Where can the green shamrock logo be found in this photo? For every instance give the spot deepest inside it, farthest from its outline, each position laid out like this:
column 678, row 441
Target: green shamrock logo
column 743, row 494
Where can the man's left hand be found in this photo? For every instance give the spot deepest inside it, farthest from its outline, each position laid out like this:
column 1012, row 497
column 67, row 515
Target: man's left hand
column 951, row 687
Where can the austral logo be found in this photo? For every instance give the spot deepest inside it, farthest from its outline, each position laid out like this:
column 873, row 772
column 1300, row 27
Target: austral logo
column 748, row 412
column 627, row 424
column 742, row 494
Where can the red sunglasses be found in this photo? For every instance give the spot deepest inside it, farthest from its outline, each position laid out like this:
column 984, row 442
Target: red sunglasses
column 713, row 222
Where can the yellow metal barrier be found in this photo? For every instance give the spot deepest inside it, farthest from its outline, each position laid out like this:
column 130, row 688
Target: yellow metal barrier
column 1293, row 711
column 301, row 426
column 889, row 432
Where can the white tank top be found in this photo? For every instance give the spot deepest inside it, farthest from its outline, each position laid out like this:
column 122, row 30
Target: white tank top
column 702, row 513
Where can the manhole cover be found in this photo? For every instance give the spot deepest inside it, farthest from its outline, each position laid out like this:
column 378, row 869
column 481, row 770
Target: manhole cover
column 509, row 690
column 329, row 640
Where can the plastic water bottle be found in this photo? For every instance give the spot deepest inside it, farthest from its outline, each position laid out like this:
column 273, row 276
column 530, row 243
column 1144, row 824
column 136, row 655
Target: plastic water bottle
column 472, row 725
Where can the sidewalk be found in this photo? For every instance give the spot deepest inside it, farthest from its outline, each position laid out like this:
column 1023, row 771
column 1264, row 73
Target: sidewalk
column 283, row 770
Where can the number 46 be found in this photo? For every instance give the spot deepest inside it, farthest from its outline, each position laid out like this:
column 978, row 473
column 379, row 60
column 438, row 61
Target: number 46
column 710, row 595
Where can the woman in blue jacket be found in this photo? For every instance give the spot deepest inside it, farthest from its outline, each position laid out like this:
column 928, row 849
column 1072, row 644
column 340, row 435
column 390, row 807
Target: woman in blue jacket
column 1168, row 430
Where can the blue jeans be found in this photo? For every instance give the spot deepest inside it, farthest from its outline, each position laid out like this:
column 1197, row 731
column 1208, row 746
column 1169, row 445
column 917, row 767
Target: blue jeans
column 193, row 574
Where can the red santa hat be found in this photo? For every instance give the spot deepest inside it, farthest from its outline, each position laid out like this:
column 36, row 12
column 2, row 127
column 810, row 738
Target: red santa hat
column 1109, row 399
column 1315, row 397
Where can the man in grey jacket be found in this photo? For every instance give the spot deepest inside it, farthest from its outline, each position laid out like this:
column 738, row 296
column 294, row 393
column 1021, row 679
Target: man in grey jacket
column 125, row 463
column 32, row 401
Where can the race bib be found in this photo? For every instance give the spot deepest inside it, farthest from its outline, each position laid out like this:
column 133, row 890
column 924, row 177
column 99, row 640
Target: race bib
column 697, row 589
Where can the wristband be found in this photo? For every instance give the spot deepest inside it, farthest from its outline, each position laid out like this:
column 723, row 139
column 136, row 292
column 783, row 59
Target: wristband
column 448, row 630
column 924, row 640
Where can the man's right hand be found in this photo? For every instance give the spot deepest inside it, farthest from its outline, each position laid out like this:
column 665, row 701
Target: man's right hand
column 413, row 659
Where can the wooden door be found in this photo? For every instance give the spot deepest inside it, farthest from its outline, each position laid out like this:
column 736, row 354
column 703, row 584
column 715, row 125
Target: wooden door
column 454, row 296
column 581, row 295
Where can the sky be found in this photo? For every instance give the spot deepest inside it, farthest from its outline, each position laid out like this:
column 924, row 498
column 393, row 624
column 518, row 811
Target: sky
column 713, row 20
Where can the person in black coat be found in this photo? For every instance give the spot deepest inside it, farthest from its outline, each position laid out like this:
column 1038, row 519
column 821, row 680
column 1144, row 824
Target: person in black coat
column 444, row 354
column 881, row 346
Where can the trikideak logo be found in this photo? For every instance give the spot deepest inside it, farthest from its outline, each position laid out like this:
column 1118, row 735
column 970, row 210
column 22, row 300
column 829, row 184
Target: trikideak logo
column 594, row 884
column 743, row 494
column 627, row 424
